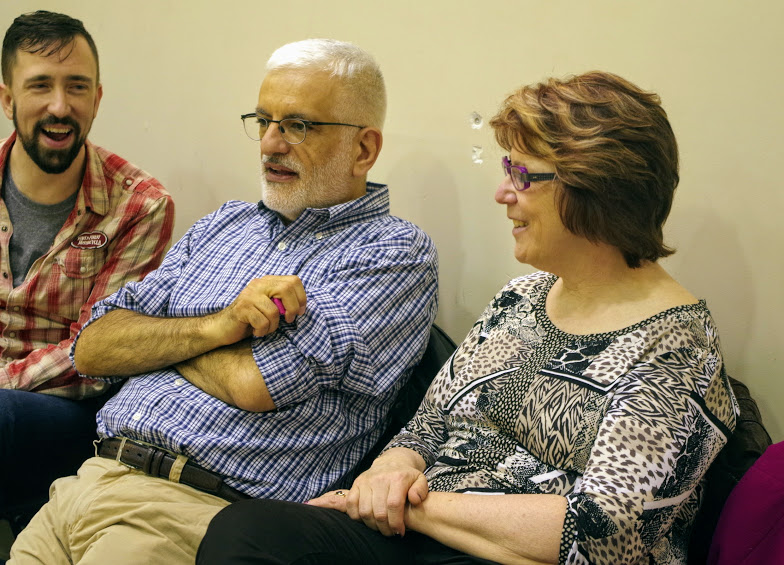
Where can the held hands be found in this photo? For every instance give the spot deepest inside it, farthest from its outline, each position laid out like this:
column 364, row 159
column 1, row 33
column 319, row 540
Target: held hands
column 253, row 312
column 379, row 496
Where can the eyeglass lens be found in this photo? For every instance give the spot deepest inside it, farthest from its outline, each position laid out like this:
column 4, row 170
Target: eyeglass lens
column 515, row 173
column 292, row 130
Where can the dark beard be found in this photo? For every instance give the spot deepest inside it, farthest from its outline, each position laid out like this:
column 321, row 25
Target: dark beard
column 51, row 161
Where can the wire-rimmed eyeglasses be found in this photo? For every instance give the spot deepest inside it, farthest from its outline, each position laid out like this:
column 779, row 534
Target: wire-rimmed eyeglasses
column 521, row 178
column 292, row 130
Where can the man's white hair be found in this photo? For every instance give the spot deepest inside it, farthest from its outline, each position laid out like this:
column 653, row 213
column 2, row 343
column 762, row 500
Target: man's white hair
column 364, row 97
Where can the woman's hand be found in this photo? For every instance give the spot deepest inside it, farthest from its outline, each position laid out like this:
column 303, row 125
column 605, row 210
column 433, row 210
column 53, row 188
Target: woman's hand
column 379, row 496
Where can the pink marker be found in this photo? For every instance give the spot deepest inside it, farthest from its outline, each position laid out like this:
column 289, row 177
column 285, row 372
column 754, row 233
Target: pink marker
column 279, row 304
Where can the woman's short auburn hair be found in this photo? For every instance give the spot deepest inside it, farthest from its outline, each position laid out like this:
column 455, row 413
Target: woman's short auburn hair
column 614, row 153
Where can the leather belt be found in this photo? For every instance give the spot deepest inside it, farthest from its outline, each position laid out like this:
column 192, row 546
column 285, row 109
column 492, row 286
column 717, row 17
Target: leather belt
column 158, row 462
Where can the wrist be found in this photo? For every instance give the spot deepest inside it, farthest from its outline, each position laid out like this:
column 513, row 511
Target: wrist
column 209, row 331
column 400, row 456
column 414, row 516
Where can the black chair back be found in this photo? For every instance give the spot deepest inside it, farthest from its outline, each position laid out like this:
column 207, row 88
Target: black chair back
column 439, row 348
column 746, row 444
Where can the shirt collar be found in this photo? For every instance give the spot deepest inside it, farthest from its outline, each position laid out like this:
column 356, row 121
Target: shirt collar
column 94, row 192
column 373, row 204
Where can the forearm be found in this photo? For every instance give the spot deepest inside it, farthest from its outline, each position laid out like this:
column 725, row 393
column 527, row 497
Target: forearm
column 230, row 374
column 519, row 528
column 125, row 343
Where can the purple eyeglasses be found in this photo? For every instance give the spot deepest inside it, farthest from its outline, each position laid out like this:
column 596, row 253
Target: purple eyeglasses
column 521, row 178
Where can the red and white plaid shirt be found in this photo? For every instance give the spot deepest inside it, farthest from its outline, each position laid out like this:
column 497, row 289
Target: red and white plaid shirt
column 118, row 231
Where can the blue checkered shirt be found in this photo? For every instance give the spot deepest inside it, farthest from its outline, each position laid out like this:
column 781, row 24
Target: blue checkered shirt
column 371, row 284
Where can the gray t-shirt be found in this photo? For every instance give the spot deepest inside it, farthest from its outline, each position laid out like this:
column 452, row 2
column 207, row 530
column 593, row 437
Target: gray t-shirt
column 35, row 226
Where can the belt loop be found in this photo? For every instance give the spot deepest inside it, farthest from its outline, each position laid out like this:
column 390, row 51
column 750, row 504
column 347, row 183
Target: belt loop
column 176, row 469
column 96, row 445
column 120, row 449
column 155, row 463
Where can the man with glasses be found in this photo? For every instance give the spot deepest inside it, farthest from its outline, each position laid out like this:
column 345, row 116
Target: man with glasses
column 262, row 357
column 76, row 223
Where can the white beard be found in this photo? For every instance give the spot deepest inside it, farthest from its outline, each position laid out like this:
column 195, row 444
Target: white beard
column 319, row 187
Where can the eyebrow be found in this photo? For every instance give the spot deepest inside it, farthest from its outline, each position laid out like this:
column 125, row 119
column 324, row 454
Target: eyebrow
column 77, row 78
column 296, row 115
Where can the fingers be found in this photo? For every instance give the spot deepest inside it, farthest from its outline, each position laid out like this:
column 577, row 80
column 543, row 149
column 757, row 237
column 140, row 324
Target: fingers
column 379, row 501
column 418, row 491
column 335, row 499
column 287, row 290
column 258, row 312
column 372, row 507
column 255, row 308
column 395, row 510
column 379, row 496
column 293, row 299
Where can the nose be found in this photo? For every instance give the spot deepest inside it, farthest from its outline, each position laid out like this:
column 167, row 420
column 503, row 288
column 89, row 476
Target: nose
column 506, row 193
column 272, row 142
column 58, row 103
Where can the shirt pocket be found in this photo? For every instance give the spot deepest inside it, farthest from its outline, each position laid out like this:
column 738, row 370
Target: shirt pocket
column 81, row 263
column 78, row 269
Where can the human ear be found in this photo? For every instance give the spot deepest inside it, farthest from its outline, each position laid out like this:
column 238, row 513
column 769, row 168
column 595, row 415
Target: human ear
column 7, row 100
column 369, row 146
column 98, row 96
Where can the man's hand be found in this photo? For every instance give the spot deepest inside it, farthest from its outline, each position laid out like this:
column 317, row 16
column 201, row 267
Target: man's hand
column 254, row 313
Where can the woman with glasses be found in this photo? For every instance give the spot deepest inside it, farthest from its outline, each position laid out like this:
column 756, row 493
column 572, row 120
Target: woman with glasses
column 575, row 422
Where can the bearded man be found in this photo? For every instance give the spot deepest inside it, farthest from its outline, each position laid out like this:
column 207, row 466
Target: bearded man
column 262, row 358
column 76, row 223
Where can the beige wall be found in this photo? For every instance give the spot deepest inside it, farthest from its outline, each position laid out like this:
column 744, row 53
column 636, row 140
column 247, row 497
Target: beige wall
column 177, row 75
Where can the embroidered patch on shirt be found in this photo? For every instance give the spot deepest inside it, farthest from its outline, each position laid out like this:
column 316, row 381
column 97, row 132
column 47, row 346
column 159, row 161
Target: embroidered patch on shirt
column 90, row 240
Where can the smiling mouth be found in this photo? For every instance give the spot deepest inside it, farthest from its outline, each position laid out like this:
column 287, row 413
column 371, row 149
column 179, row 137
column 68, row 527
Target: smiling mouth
column 519, row 224
column 57, row 132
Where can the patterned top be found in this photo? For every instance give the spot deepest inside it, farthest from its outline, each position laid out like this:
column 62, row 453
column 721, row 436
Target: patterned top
column 623, row 424
column 371, row 282
column 118, row 232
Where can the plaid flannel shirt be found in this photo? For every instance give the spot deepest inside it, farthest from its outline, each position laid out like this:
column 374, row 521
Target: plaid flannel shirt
column 371, row 282
column 118, row 232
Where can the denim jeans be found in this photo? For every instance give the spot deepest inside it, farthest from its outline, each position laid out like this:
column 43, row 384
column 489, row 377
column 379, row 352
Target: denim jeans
column 42, row 438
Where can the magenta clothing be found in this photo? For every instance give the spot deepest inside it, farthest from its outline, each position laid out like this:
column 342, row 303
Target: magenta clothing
column 751, row 526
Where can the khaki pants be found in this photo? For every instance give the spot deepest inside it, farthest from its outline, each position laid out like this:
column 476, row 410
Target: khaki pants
column 110, row 513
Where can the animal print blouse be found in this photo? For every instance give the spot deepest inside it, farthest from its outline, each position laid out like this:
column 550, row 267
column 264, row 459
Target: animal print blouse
column 623, row 424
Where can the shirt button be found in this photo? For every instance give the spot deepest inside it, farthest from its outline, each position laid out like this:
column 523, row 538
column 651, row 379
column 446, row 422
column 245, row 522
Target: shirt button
column 281, row 247
column 5, row 227
column 319, row 235
column 12, row 334
column 128, row 182
column 136, row 417
column 82, row 269
column 9, row 359
column 17, row 308
column 179, row 382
